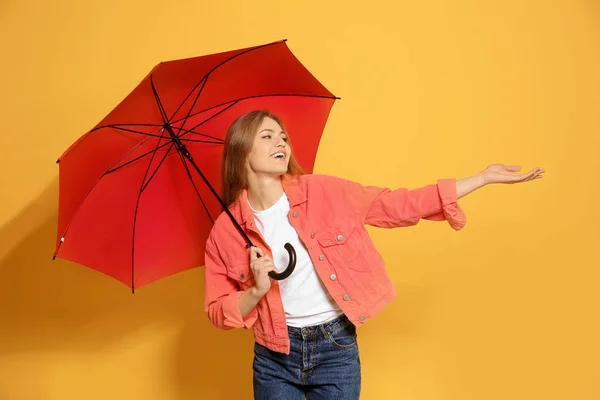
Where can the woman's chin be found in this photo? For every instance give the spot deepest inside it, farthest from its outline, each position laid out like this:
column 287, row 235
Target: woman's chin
column 279, row 170
column 275, row 173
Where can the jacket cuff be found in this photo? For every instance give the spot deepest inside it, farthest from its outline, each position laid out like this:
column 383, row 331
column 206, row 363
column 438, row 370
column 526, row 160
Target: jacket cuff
column 453, row 213
column 233, row 315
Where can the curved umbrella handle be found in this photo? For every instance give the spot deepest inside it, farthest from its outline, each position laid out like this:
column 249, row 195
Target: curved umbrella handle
column 291, row 265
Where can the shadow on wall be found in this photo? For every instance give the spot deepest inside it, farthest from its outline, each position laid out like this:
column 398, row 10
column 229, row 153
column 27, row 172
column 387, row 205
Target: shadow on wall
column 50, row 307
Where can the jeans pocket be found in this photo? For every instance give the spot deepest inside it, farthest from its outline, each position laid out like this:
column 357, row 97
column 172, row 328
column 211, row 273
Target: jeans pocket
column 343, row 339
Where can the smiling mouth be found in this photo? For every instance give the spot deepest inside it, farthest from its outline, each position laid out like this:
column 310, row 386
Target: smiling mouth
column 278, row 155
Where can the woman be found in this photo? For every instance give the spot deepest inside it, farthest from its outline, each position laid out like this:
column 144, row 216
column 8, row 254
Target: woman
column 305, row 326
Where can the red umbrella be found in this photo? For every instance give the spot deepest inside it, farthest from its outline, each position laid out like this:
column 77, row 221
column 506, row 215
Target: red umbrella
column 137, row 194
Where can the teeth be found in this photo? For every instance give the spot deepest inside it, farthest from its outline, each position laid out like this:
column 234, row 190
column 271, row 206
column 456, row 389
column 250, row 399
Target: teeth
column 276, row 155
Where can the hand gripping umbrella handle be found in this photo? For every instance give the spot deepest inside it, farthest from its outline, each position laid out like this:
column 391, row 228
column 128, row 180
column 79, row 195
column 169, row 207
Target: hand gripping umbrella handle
column 291, row 265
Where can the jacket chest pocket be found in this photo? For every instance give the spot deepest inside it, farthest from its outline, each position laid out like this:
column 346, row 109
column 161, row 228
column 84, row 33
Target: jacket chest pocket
column 241, row 272
column 342, row 244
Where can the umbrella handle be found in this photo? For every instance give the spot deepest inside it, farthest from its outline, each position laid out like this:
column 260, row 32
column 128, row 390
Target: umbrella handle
column 291, row 265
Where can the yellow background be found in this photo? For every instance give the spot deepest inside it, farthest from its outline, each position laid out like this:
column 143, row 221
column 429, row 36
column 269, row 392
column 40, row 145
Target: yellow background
column 505, row 309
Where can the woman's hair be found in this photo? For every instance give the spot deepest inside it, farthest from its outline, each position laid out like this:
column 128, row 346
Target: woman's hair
column 238, row 143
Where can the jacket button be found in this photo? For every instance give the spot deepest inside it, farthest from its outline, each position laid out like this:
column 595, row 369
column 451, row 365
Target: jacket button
column 362, row 317
column 321, row 257
column 333, row 277
column 295, row 213
column 312, row 235
column 340, row 238
column 346, row 297
column 242, row 276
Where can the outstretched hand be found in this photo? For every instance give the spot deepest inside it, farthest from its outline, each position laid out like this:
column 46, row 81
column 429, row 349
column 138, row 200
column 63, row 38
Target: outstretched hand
column 501, row 173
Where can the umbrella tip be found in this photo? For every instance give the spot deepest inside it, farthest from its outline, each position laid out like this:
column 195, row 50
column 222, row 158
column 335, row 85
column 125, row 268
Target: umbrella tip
column 57, row 161
column 285, row 40
column 338, row 98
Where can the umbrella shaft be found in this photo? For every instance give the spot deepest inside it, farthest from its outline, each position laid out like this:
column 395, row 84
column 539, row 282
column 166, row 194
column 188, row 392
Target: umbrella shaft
column 184, row 151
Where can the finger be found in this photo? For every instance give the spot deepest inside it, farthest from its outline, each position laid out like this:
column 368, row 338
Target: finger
column 255, row 253
column 539, row 170
column 530, row 174
column 263, row 270
column 270, row 267
column 538, row 174
column 262, row 262
column 535, row 175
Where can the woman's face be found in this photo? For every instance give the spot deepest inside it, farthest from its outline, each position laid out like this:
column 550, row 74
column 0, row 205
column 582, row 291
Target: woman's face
column 270, row 153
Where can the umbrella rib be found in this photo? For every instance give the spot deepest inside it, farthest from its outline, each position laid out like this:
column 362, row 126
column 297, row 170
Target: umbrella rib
column 233, row 103
column 216, row 139
column 134, row 131
column 158, row 166
column 161, row 108
column 135, row 215
column 119, row 125
column 151, row 151
column 195, row 187
column 111, row 170
column 205, row 77
column 193, row 104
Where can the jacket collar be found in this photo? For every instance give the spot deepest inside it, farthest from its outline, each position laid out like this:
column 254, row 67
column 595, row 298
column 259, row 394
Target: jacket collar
column 291, row 186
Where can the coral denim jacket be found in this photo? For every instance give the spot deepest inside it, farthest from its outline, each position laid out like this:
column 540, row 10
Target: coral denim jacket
column 329, row 214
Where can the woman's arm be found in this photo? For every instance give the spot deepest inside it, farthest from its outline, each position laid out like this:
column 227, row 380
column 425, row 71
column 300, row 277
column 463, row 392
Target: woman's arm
column 386, row 208
column 248, row 300
column 227, row 307
column 467, row 185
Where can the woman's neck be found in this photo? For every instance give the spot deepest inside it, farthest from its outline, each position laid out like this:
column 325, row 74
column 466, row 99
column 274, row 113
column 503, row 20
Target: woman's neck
column 264, row 191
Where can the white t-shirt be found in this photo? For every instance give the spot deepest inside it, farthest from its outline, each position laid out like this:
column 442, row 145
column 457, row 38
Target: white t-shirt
column 306, row 301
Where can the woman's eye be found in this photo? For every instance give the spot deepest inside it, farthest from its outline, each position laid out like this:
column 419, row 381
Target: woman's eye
column 267, row 137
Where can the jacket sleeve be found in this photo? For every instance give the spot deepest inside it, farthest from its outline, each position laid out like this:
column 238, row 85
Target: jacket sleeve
column 222, row 294
column 386, row 208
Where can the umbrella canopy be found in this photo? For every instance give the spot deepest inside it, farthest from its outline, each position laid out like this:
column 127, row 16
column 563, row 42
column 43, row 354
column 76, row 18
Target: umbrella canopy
column 138, row 192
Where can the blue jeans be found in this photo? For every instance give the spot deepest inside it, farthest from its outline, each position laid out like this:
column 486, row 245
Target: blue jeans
column 323, row 363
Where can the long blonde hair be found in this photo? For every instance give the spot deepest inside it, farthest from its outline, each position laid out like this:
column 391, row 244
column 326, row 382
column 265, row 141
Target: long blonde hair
column 238, row 143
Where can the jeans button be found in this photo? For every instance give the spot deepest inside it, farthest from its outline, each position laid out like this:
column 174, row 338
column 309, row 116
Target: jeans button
column 333, row 277
column 321, row 257
column 362, row 318
column 346, row 297
column 340, row 238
